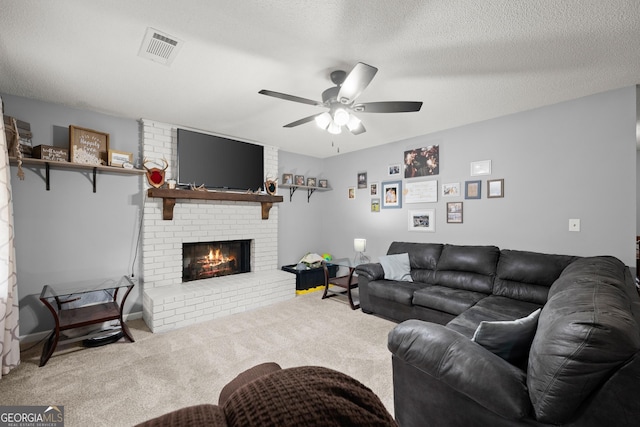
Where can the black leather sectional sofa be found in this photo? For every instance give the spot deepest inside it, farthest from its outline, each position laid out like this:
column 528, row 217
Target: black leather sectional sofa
column 581, row 367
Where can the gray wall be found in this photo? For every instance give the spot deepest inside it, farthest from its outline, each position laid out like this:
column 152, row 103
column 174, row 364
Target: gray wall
column 69, row 233
column 572, row 160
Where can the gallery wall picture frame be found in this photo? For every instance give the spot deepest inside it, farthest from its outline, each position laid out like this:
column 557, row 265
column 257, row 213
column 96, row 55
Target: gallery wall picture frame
column 375, row 204
column 362, row 180
column 351, row 193
column 420, row 191
column 394, row 169
column 422, row 220
column 374, row 188
column 481, row 167
column 87, row 146
column 495, row 188
column 299, row 180
column 392, row 195
column 473, row 189
column 454, row 212
column 287, row 178
column 323, row 183
column 451, row 190
column 422, row 161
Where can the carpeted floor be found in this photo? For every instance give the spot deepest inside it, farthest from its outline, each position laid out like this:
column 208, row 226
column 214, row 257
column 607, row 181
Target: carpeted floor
column 124, row 383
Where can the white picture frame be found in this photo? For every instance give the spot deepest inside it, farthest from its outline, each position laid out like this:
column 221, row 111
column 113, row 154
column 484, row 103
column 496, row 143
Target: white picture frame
column 451, row 189
column 481, row 167
column 423, row 220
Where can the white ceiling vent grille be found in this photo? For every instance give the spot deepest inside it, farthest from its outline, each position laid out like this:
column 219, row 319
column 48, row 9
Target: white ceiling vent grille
column 159, row 47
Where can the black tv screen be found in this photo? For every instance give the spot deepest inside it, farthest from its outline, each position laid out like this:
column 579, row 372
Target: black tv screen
column 219, row 163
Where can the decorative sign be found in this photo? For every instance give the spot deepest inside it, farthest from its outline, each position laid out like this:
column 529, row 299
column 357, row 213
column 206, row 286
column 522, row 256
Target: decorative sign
column 87, row 146
column 421, row 192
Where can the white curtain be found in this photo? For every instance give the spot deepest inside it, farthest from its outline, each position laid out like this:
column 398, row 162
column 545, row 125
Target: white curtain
column 9, row 332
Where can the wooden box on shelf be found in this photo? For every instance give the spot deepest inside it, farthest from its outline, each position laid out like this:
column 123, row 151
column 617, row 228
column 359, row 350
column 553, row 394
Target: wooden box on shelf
column 49, row 152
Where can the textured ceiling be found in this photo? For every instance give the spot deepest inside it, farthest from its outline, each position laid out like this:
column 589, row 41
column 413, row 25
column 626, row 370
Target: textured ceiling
column 466, row 60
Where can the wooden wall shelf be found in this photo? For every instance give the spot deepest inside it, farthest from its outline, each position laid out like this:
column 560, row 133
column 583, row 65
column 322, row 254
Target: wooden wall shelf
column 48, row 164
column 169, row 198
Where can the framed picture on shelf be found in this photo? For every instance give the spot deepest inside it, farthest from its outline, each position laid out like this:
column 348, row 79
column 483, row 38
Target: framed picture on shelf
column 311, row 182
column 362, row 180
column 375, row 204
column 87, row 146
column 422, row 220
column 495, row 188
column 473, row 189
column 451, row 190
column 323, row 183
column 119, row 158
column 373, row 188
column 287, row 178
column 392, row 195
column 299, row 180
column 454, row 212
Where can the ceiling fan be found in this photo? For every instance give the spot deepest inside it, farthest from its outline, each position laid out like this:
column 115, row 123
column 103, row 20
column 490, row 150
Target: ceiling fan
column 341, row 101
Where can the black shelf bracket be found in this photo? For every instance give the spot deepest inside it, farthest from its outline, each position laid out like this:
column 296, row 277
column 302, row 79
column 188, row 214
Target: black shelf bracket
column 291, row 191
column 95, row 170
column 309, row 193
column 46, row 176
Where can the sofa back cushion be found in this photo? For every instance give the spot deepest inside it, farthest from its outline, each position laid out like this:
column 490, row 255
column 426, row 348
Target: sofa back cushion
column 423, row 258
column 467, row 267
column 586, row 331
column 527, row 276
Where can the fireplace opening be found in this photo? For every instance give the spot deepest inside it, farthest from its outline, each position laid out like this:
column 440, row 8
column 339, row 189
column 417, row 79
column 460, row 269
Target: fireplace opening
column 203, row 260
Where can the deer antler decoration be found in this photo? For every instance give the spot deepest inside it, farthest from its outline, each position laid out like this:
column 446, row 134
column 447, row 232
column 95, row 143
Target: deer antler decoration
column 155, row 176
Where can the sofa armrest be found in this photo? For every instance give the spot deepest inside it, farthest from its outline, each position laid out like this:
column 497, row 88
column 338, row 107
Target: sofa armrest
column 372, row 271
column 463, row 365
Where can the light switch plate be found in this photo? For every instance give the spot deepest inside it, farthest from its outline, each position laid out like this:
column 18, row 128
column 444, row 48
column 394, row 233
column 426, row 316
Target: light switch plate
column 574, row 225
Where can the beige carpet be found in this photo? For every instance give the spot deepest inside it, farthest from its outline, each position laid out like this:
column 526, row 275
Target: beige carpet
column 124, row 383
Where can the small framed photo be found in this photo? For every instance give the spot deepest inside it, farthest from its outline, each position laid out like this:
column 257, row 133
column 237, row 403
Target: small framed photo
column 454, row 212
column 373, row 188
column 352, row 193
column 422, row 220
column 299, row 179
column 119, row 158
column 451, row 190
column 311, row 182
column 362, row 180
column 473, row 189
column 375, row 204
column 495, row 188
column 392, row 195
column 394, row 169
column 287, row 178
column 323, row 183
column 482, row 167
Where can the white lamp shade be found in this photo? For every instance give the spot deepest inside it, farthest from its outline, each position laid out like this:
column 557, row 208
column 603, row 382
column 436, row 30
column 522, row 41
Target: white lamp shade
column 323, row 120
column 334, row 128
column 341, row 117
column 359, row 245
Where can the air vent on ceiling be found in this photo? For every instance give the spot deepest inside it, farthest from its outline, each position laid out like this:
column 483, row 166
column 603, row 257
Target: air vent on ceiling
column 159, row 47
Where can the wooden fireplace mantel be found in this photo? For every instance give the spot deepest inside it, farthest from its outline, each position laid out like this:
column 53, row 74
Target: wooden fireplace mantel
column 169, row 199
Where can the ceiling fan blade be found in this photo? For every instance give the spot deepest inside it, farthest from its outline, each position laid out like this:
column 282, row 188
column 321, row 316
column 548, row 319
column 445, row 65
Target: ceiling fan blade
column 302, row 121
column 290, row 97
column 388, row 107
column 356, row 82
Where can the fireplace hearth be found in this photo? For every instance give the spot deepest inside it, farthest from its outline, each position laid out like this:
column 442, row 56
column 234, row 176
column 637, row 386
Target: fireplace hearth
column 204, row 260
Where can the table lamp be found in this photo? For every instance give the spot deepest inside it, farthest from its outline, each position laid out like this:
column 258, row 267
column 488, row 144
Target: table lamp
column 359, row 246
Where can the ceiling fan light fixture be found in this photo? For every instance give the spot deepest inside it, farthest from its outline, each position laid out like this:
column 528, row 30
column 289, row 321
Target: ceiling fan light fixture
column 341, row 116
column 334, row 128
column 354, row 122
column 323, row 120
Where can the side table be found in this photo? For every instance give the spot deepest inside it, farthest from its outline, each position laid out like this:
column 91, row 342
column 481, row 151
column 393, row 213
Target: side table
column 347, row 282
column 83, row 304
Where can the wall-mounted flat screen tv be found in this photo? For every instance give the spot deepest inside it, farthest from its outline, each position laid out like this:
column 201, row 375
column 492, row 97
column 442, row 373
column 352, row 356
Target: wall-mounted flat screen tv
column 219, row 163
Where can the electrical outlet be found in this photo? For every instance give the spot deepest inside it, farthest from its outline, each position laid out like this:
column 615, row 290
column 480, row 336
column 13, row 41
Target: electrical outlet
column 574, row 225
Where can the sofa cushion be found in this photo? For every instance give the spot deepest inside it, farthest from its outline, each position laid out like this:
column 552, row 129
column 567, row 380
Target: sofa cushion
column 394, row 290
column 509, row 339
column 586, row 330
column 467, row 267
column 491, row 308
column 453, row 301
column 396, row 267
column 421, row 255
column 527, row 276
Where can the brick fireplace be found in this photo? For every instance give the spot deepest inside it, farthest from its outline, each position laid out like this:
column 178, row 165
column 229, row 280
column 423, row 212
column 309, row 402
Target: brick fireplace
column 168, row 303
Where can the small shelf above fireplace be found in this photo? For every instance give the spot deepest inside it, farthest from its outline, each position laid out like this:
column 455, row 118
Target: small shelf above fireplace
column 169, row 199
